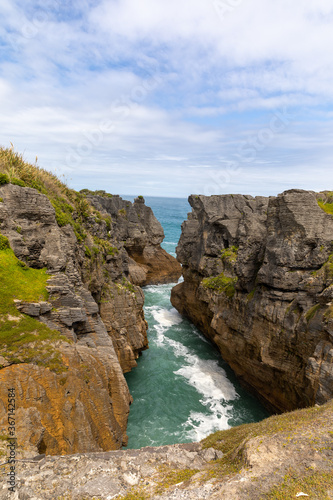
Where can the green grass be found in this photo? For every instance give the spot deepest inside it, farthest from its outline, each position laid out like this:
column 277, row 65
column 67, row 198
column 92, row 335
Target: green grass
column 311, row 312
column 230, row 441
column 327, row 207
column 172, row 477
column 221, row 284
column 229, row 254
column 15, row 170
column 315, row 485
column 23, row 338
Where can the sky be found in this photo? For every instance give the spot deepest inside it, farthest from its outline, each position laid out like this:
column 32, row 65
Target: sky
column 169, row 97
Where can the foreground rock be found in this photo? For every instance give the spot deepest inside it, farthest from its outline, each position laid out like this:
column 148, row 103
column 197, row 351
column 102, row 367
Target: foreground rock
column 276, row 458
column 71, row 394
column 258, row 276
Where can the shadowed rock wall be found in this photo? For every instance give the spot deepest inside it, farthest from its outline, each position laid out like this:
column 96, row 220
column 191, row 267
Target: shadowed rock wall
column 258, row 276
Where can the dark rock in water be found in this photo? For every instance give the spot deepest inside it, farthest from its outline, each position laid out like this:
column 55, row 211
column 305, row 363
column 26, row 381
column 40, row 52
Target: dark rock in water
column 258, row 276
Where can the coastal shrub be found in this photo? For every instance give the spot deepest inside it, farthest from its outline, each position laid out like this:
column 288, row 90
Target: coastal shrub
column 99, row 192
column 17, row 182
column 4, row 242
column 4, row 179
column 108, row 223
column 221, row 284
column 87, row 252
column 128, row 285
column 229, row 254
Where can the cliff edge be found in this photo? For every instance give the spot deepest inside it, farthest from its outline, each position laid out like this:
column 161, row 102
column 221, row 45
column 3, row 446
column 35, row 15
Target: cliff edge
column 71, row 316
column 258, row 281
column 279, row 458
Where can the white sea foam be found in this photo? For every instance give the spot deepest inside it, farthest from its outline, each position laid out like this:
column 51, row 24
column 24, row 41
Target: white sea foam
column 206, row 376
column 159, row 289
column 198, row 425
column 167, row 317
column 209, row 379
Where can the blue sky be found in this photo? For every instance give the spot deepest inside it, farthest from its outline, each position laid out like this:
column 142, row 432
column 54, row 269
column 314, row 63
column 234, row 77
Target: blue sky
column 171, row 98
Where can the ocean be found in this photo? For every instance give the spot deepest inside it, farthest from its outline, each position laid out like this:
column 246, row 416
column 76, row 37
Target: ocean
column 182, row 389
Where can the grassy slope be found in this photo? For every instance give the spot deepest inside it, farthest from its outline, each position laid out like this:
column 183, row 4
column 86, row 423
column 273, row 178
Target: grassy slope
column 24, row 339
column 296, row 430
column 19, row 339
column 15, row 170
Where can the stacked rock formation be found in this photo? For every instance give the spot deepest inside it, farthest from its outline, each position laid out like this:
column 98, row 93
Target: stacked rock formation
column 258, row 276
column 81, row 403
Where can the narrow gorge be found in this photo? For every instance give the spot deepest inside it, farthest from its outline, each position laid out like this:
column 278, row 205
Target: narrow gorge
column 257, row 282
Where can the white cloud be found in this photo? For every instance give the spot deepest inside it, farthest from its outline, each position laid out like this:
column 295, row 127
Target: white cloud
column 160, row 92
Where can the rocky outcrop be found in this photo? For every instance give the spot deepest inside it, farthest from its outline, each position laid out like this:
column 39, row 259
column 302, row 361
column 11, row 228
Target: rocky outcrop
column 71, row 392
column 258, row 276
column 142, row 234
column 280, row 457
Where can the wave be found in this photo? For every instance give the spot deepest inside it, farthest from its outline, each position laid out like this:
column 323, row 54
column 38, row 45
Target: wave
column 167, row 317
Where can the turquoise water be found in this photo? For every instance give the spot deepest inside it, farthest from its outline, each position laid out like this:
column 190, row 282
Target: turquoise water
column 182, row 389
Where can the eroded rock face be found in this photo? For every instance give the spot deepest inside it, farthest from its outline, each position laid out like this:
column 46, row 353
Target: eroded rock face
column 269, row 307
column 84, row 405
column 142, row 234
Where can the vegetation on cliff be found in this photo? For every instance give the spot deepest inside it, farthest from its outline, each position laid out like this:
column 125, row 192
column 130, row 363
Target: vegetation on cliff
column 24, row 339
column 71, row 207
column 325, row 201
column 221, row 284
column 300, row 434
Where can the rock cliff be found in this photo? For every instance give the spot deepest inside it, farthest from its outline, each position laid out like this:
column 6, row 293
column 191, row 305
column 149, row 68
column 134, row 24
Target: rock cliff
column 71, row 314
column 142, row 234
column 258, row 281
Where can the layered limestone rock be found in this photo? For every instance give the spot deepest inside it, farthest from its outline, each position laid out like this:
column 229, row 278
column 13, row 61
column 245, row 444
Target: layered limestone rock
column 258, row 276
column 71, row 392
column 280, row 457
column 142, row 234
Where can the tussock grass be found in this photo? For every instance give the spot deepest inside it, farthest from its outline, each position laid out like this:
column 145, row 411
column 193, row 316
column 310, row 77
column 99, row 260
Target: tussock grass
column 18, row 171
column 15, row 170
